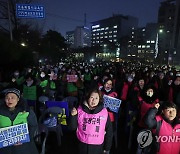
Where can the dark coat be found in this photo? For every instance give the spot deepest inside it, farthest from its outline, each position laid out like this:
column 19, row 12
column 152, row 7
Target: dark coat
column 169, row 128
column 93, row 149
column 25, row 148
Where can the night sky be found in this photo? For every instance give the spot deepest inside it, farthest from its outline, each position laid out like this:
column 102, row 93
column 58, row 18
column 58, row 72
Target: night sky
column 65, row 15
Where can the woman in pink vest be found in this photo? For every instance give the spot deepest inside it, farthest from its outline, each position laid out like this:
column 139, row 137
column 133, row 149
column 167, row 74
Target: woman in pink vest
column 166, row 128
column 92, row 124
column 107, row 89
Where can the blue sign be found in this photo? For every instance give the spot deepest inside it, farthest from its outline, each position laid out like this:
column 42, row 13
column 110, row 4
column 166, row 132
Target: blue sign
column 13, row 135
column 112, row 103
column 29, row 11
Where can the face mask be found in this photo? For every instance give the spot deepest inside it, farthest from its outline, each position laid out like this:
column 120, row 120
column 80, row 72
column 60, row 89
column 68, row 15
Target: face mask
column 150, row 94
column 16, row 74
column 29, row 83
column 42, row 75
column 130, row 79
column 107, row 90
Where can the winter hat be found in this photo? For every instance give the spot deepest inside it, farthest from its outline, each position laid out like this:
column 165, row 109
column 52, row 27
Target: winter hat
column 13, row 90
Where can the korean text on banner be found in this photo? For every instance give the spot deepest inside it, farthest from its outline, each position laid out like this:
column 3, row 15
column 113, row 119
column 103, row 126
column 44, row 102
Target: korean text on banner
column 112, row 103
column 72, row 78
column 13, row 135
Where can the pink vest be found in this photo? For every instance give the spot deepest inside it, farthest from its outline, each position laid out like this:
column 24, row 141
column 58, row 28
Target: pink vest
column 169, row 138
column 91, row 127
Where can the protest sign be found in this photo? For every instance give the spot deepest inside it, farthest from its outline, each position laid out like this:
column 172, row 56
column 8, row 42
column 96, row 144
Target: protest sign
column 112, row 103
column 14, row 134
column 72, row 78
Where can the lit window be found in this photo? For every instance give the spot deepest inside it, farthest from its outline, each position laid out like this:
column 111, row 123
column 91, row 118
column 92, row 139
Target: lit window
column 98, row 29
column 139, row 46
column 102, row 28
column 97, row 37
column 148, row 41
column 143, row 46
column 143, row 29
column 115, row 40
column 97, row 34
column 115, row 26
column 110, row 35
column 106, row 28
column 101, row 33
column 132, row 32
column 114, row 35
column 110, row 31
column 148, row 46
column 106, row 32
column 97, row 41
column 101, row 37
column 110, row 40
column 95, row 26
column 94, row 30
column 115, row 31
column 152, row 41
column 132, row 37
column 94, row 34
column 105, row 36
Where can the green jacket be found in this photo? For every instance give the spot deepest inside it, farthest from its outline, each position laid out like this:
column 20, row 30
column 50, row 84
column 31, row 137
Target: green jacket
column 20, row 119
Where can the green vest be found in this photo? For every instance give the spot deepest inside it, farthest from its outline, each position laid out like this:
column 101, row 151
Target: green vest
column 20, row 80
column 44, row 83
column 30, row 93
column 71, row 87
column 21, row 118
column 52, row 85
column 87, row 77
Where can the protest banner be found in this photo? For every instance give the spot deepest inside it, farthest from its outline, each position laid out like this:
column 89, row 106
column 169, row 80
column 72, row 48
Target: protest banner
column 112, row 103
column 72, row 78
column 13, row 135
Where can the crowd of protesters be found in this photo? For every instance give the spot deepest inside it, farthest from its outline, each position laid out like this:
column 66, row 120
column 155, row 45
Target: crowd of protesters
column 139, row 86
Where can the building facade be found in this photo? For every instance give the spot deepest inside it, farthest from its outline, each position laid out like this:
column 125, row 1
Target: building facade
column 142, row 44
column 111, row 29
column 169, row 31
column 79, row 38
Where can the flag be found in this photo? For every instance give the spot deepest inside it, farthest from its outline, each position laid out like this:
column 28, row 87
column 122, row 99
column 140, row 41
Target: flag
column 156, row 46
